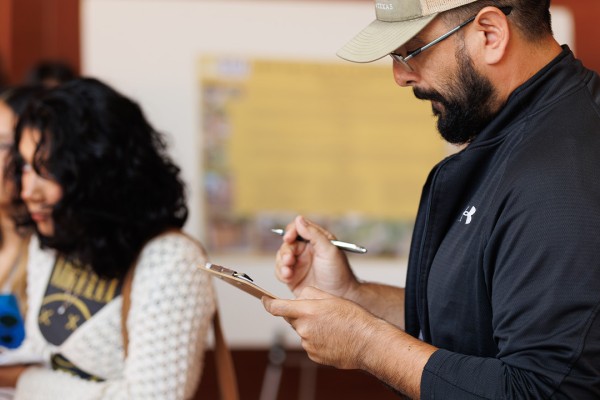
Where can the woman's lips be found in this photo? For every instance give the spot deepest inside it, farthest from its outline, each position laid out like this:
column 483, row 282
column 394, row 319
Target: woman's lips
column 39, row 216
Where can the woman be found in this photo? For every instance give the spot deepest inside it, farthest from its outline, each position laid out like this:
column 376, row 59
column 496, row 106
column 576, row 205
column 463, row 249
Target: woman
column 13, row 242
column 105, row 200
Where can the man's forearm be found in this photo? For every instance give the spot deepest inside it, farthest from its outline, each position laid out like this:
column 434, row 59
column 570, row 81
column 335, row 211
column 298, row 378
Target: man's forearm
column 386, row 302
column 396, row 358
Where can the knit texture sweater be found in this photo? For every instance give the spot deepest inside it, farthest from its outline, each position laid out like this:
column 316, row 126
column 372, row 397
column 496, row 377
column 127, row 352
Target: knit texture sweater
column 172, row 303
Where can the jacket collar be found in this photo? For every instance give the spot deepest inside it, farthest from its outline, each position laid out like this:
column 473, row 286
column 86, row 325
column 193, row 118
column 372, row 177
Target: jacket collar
column 559, row 77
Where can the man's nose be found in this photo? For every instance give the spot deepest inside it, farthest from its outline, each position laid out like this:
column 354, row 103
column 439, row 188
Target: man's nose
column 402, row 76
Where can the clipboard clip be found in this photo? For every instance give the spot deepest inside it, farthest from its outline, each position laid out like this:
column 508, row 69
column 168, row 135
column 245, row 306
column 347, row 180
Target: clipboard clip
column 229, row 272
column 239, row 280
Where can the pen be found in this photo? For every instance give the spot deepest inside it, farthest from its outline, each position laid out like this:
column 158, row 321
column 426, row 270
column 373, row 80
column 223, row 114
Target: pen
column 341, row 245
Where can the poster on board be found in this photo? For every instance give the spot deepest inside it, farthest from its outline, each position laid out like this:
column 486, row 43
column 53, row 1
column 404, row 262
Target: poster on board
column 339, row 143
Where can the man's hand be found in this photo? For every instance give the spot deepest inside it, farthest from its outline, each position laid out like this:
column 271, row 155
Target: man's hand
column 314, row 262
column 333, row 331
column 340, row 333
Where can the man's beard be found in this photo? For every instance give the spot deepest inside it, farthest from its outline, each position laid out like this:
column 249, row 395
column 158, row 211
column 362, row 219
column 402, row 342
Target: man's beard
column 467, row 108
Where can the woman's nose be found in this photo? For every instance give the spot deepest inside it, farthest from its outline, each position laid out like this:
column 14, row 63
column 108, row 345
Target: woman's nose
column 29, row 185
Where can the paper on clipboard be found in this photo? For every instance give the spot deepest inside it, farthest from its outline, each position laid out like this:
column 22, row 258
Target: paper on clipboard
column 238, row 279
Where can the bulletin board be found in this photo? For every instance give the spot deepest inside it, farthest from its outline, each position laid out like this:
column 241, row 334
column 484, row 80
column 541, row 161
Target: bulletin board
column 338, row 142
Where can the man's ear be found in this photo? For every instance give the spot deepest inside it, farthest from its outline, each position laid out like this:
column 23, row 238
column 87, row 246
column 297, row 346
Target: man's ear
column 494, row 34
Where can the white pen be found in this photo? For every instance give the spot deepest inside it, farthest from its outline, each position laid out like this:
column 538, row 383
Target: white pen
column 341, row 245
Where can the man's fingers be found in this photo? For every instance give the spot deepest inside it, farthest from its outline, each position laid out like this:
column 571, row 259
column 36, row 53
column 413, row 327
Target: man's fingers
column 280, row 308
column 295, row 308
column 305, row 225
column 290, row 234
column 283, row 264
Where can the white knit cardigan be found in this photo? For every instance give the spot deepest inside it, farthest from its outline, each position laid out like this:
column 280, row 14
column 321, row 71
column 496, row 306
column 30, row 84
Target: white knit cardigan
column 172, row 303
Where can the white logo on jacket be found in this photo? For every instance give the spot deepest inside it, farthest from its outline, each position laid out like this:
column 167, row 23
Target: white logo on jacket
column 469, row 214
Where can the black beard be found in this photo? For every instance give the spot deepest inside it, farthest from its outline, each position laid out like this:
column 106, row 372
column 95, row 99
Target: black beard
column 467, row 109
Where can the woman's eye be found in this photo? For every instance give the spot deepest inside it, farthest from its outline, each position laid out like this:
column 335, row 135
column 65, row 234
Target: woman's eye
column 5, row 145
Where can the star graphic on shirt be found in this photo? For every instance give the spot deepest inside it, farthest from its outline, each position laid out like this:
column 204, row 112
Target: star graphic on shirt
column 44, row 317
column 73, row 322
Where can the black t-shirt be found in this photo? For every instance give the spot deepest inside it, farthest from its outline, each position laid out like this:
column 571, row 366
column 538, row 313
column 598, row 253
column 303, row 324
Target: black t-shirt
column 72, row 297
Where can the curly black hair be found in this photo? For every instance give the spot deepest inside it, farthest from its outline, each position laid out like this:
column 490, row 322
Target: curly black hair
column 17, row 98
column 50, row 73
column 120, row 188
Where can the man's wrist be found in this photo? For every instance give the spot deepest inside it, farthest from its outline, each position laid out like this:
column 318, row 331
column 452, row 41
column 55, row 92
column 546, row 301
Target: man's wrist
column 354, row 291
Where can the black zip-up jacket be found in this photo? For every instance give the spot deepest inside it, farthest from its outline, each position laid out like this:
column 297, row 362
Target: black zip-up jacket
column 504, row 270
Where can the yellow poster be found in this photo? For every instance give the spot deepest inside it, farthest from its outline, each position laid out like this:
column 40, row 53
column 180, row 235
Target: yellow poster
column 334, row 141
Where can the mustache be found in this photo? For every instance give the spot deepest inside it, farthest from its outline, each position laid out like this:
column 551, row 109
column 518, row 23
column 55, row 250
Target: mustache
column 429, row 95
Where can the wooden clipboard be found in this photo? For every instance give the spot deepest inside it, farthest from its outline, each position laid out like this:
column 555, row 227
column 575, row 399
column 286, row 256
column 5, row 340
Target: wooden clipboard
column 237, row 279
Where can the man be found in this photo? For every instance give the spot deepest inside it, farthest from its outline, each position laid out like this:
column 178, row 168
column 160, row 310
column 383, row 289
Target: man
column 502, row 294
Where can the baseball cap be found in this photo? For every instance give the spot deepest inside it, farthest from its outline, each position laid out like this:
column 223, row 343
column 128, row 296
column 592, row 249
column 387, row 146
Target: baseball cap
column 397, row 22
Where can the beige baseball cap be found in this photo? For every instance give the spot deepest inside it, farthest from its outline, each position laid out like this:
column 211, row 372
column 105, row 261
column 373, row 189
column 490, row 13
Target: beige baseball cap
column 397, row 22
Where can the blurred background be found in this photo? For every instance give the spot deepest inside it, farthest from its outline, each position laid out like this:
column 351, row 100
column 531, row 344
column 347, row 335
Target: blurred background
column 266, row 122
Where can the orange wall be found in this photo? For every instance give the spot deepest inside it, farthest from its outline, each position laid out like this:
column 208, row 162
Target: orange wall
column 33, row 30
column 5, row 39
column 587, row 29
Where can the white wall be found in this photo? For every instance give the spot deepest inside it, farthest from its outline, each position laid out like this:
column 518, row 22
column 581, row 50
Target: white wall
column 148, row 49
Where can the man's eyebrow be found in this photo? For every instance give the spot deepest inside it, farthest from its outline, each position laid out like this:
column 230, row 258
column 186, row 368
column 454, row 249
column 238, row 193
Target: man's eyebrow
column 411, row 45
column 415, row 42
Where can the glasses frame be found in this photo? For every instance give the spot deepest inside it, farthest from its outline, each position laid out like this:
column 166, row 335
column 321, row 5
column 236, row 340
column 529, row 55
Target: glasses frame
column 404, row 60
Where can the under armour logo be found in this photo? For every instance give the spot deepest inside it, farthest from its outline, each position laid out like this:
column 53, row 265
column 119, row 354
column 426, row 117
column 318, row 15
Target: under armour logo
column 469, row 214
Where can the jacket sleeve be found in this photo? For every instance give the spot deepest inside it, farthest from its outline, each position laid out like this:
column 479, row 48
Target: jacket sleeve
column 541, row 263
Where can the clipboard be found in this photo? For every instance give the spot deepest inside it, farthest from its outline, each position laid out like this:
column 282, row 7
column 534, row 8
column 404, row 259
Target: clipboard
column 237, row 279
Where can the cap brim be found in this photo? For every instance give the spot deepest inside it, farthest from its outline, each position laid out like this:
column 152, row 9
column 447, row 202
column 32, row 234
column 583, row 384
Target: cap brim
column 381, row 38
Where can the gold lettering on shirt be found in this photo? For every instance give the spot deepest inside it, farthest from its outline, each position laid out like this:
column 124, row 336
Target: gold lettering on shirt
column 111, row 290
column 82, row 279
column 44, row 317
column 64, row 276
column 83, row 283
column 72, row 323
column 91, row 286
column 99, row 292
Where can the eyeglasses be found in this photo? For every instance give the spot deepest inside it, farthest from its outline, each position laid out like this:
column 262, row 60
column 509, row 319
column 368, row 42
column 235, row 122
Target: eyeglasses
column 404, row 60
